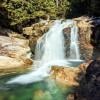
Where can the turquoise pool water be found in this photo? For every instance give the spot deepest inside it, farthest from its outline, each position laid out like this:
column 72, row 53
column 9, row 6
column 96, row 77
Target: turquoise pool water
column 47, row 89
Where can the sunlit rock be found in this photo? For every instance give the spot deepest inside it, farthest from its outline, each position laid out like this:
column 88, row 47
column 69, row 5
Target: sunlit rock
column 85, row 30
column 68, row 75
column 35, row 31
column 14, row 55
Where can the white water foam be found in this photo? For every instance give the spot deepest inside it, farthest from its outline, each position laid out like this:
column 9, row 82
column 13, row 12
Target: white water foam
column 50, row 51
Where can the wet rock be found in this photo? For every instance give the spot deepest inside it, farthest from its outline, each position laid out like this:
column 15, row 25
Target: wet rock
column 66, row 32
column 14, row 55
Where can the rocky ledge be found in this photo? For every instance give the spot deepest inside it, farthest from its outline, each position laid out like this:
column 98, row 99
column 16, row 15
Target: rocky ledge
column 69, row 76
column 14, row 55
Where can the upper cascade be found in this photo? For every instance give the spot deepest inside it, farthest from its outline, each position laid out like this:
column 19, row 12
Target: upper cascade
column 50, row 50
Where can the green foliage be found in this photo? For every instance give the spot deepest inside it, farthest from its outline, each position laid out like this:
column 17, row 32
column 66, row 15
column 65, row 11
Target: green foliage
column 16, row 12
column 21, row 10
column 63, row 8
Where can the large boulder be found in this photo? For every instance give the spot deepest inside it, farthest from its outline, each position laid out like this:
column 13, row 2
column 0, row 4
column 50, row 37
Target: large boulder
column 69, row 76
column 14, row 55
column 89, row 88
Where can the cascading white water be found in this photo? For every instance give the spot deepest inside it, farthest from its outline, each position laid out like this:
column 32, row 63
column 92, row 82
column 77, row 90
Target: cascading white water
column 51, row 45
column 50, row 51
column 74, row 46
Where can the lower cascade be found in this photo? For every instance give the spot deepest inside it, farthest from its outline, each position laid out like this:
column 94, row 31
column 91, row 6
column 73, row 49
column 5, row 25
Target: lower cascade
column 50, row 50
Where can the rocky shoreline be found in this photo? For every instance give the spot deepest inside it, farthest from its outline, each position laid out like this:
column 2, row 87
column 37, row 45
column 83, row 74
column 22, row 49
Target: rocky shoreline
column 15, row 55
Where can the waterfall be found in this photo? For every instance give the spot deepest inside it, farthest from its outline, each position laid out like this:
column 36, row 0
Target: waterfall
column 74, row 45
column 50, row 51
column 51, row 45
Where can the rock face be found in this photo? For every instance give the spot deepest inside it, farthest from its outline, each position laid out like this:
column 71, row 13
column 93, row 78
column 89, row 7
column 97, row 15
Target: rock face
column 67, row 75
column 67, row 32
column 90, row 85
column 96, row 33
column 85, row 31
column 14, row 55
column 35, row 31
column 86, row 49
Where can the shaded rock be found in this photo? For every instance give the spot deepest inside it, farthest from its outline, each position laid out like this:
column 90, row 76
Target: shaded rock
column 67, row 32
column 95, row 37
column 4, row 31
column 10, row 33
column 89, row 88
column 93, row 70
column 14, row 55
